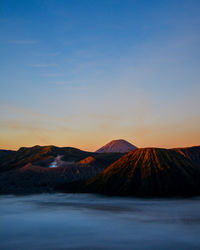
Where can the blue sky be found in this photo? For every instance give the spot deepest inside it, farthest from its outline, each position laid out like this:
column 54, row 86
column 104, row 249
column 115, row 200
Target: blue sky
column 81, row 73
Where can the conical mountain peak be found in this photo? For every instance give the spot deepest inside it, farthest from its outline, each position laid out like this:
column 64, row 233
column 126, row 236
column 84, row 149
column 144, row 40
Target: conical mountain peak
column 149, row 172
column 117, row 146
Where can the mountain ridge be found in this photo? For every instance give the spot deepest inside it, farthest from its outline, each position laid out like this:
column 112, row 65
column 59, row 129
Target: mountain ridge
column 148, row 172
column 192, row 153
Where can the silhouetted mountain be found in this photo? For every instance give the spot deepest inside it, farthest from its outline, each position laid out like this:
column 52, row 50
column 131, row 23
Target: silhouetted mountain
column 118, row 146
column 40, row 155
column 148, row 172
column 141, row 172
column 4, row 152
column 44, row 155
column 34, row 179
column 192, row 153
column 28, row 169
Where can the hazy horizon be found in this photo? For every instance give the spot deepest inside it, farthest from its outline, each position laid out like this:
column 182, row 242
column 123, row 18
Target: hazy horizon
column 96, row 148
column 82, row 73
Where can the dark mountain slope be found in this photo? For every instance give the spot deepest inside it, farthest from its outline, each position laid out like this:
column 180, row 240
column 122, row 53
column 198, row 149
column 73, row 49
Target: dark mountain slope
column 36, row 179
column 38, row 154
column 148, row 172
column 28, row 169
column 44, row 155
column 192, row 153
column 118, row 146
column 4, row 152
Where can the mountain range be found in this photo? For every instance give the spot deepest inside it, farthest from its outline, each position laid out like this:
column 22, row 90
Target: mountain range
column 139, row 172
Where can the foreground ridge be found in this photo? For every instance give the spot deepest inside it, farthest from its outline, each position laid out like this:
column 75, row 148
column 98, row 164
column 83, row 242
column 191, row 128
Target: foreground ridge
column 148, row 172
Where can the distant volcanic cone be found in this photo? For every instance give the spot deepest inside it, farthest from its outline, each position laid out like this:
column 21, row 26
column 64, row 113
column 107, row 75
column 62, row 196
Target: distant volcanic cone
column 117, row 146
column 148, row 172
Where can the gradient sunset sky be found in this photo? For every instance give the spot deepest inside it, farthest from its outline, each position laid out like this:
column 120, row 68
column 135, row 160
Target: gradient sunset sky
column 81, row 73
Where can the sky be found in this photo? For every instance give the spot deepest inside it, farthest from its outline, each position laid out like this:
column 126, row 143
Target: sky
column 82, row 73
